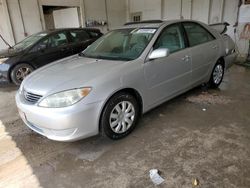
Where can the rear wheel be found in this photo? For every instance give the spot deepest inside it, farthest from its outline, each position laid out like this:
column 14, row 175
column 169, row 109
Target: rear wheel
column 217, row 75
column 19, row 72
column 119, row 116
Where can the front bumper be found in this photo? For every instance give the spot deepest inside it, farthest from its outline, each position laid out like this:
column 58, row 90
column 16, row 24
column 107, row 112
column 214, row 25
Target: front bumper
column 3, row 79
column 61, row 124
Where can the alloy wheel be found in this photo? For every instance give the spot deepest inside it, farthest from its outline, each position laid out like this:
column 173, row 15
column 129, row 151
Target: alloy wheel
column 218, row 74
column 22, row 72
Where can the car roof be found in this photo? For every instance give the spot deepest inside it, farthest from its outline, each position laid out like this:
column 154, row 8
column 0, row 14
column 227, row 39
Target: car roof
column 50, row 31
column 154, row 23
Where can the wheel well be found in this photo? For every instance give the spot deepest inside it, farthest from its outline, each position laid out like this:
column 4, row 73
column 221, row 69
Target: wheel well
column 13, row 66
column 221, row 59
column 130, row 91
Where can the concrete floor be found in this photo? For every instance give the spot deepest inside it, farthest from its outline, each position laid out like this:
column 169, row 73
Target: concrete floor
column 178, row 138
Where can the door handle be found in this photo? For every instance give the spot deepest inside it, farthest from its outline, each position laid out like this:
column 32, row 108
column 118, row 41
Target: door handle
column 185, row 58
column 215, row 47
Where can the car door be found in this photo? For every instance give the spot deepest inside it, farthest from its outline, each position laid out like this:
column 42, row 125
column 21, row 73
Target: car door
column 79, row 40
column 167, row 76
column 52, row 48
column 204, row 50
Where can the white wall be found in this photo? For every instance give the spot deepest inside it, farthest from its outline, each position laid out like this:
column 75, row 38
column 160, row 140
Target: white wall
column 171, row 9
column 5, row 25
column 31, row 18
column 61, row 2
column 116, row 13
column 208, row 11
column 200, row 10
column 150, row 9
column 216, row 11
column 16, row 20
column 65, row 18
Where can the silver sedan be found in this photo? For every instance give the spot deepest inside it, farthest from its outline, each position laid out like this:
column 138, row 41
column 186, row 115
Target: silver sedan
column 124, row 74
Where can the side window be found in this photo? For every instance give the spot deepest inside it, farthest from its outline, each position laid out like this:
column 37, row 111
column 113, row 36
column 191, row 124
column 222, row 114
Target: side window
column 57, row 40
column 171, row 38
column 41, row 45
column 79, row 36
column 197, row 34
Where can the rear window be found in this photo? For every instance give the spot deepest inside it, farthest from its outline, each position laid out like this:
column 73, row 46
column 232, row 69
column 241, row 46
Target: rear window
column 197, row 34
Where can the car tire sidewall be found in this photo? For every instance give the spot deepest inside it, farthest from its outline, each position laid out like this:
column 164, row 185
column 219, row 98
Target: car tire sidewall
column 212, row 84
column 15, row 69
column 105, row 125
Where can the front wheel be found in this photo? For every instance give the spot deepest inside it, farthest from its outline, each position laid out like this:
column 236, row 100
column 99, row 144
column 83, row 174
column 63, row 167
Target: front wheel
column 119, row 116
column 217, row 75
column 19, row 72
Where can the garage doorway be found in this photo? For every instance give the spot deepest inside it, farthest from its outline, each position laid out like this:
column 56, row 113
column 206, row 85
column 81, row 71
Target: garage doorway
column 61, row 17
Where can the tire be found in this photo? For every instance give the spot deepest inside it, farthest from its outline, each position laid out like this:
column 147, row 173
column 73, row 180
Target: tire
column 217, row 75
column 115, row 124
column 19, row 72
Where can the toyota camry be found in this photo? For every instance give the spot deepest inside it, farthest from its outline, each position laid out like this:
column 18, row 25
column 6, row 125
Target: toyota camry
column 125, row 73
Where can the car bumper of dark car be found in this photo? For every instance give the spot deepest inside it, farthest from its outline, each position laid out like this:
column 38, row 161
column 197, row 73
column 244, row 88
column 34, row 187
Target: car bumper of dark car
column 4, row 73
column 3, row 79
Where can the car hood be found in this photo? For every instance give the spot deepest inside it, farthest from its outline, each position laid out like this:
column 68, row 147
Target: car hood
column 10, row 52
column 69, row 73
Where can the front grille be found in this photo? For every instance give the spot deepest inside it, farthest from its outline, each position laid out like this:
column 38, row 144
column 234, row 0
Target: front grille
column 31, row 97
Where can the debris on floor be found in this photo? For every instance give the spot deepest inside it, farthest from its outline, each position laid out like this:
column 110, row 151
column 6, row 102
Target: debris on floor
column 204, row 109
column 209, row 98
column 155, row 177
column 195, row 182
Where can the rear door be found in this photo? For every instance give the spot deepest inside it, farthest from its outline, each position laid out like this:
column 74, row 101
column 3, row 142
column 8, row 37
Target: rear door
column 204, row 49
column 79, row 40
column 167, row 76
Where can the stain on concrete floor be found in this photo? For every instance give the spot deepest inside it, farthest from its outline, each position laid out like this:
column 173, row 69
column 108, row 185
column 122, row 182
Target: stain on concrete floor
column 178, row 138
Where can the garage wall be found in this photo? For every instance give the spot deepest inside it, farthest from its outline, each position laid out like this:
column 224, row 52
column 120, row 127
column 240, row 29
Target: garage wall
column 200, row 10
column 5, row 26
column 30, row 23
column 171, row 9
column 150, row 9
column 116, row 10
column 113, row 11
column 208, row 11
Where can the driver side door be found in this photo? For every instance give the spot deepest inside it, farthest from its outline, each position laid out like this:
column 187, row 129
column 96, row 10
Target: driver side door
column 52, row 48
column 166, row 77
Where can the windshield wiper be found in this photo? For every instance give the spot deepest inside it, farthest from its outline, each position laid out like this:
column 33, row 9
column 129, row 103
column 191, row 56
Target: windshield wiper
column 105, row 57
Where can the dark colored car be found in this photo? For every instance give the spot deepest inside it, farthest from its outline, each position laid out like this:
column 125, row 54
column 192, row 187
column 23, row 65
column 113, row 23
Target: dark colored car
column 42, row 48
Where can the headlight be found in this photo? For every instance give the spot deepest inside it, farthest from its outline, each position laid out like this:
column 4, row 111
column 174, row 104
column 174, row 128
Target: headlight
column 2, row 60
column 65, row 98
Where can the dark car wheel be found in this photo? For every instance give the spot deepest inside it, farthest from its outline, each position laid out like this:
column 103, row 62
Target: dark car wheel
column 217, row 75
column 119, row 116
column 19, row 72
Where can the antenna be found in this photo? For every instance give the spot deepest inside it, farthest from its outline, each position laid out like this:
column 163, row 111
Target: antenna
column 5, row 41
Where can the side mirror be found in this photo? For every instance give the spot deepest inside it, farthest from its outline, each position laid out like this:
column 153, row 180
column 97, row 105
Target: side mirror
column 159, row 53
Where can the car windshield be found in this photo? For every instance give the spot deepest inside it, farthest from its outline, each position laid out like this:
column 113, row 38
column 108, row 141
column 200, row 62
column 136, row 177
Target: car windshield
column 29, row 41
column 121, row 44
